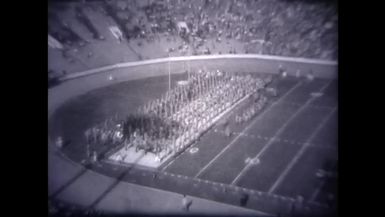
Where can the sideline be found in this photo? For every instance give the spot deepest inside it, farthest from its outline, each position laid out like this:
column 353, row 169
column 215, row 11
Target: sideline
column 200, row 57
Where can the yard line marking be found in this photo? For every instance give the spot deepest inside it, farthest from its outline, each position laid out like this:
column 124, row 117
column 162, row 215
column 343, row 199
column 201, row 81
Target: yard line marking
column 316, row 192
column 300, row 152
column 244, row 130
column 319, row 204
column 228, row 111
column 322, row 146
column 272, row 139
column 310, row 106
column 314, row 145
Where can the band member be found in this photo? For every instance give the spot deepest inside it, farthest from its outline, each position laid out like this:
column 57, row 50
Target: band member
column 94, row 157
column 186, row 203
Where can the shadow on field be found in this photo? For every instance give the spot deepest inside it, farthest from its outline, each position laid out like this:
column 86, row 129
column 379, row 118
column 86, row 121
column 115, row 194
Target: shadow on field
column 114, row 184
column 91, row 166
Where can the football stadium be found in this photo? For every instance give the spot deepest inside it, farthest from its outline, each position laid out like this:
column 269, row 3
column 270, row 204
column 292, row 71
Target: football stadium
column 181, row 107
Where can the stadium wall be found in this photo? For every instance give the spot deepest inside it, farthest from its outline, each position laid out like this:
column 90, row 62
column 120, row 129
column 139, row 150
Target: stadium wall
column 81, row 82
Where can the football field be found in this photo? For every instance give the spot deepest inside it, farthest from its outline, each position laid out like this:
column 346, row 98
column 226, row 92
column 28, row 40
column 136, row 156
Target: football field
column 290, row 140
column 273, row 158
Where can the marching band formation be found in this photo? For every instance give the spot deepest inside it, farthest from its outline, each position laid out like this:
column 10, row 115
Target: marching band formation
column 250, row 112
column 168, row 124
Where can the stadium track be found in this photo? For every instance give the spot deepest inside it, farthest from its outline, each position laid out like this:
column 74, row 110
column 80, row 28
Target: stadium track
column 87, row 185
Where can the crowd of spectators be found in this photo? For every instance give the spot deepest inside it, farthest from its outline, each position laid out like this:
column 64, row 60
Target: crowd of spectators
column 273, row 27
column 285, row 28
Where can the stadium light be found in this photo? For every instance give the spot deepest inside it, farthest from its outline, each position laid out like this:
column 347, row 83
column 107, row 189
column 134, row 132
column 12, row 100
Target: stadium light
column 188, row 64
column 169, row 72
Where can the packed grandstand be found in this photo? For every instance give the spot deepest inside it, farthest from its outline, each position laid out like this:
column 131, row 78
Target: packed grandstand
column 89, row 34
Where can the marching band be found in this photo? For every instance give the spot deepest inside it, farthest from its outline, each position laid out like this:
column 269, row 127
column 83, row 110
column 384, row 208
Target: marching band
column 168, row 124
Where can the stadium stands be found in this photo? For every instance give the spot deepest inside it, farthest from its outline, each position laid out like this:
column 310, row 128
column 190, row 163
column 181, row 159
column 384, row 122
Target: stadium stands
column 150, row 30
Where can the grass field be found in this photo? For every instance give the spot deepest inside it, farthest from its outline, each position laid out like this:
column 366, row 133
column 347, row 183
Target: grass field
column 296, row 121
column 290, row 140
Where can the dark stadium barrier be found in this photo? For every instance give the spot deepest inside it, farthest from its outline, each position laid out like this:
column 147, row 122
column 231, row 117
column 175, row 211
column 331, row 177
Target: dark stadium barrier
column 81, row 82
